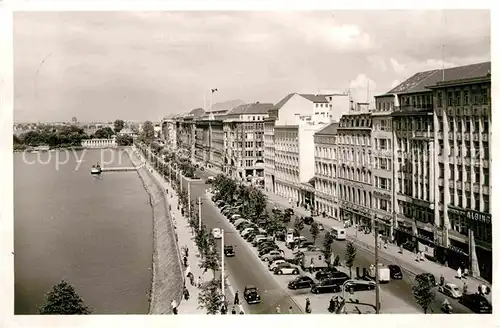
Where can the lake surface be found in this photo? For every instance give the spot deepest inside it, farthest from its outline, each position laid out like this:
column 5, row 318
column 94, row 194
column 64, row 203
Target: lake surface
column 94, row 233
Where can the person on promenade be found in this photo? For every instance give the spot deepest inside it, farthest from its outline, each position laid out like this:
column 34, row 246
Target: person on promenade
column 290, row 310
column 236, row 298
column 186, row 293
column 308, row 305
column 278, row 309
column 233, row 311
column 174, row 306
column 459, row 273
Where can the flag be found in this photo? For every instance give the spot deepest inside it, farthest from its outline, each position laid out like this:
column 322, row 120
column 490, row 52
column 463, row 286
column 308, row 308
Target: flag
column 214, row 90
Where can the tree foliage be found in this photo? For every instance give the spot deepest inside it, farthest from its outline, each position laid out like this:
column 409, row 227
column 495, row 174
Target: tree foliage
column 314, row 230
column 63, row 299
column 148, row 132
column 424, row 293
column 298, row 226
column 350, row 256
column 118, row 125
column 327, row 247
column 104, row 133
column 210, row 296
column 53, row 136
column 274, row 222
column 124, row 140
column 211, row 259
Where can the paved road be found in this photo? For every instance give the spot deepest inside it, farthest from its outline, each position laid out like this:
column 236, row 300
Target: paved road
column 244, row 268
column 399, row 288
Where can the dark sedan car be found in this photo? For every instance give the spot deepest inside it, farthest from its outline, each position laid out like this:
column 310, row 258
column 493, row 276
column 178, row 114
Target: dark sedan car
column 301, row 282
column 360, row 286
column 477, row 303
column 395, row 272
column 308, row 220
column 268, row 249
column 327, row 286
column 251, row 294
column 331, row 274
column 229, row 251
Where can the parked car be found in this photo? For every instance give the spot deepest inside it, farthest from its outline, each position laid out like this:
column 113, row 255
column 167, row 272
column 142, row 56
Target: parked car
column 229, row 251
column 308, row 220
column 210, row 180
column 477, row 303
column 217, row 233
column 427, row 276
column 305, row 244
column 301, row 282
column 313, row 248
column 359, row 286
column 395, row 271
column 267, row 249
column 265, row 244
column 249, row 236
column 327, row 273
column 451, row 290
column 251, row 294
column 246, row 231
column 321, row 227
column 274, row 264
column 271, row 254
column 276, row 257
column 220, row 203
column 286, row 268
column 327, row 286
column 244, row 225
column 239, row 222
column 260, row 240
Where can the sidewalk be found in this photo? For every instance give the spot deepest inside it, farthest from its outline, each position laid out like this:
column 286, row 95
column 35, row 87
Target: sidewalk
column 185, row 237
column 407, row 260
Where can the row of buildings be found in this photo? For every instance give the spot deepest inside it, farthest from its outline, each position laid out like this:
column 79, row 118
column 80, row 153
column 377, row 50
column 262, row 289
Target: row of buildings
column 416, row 167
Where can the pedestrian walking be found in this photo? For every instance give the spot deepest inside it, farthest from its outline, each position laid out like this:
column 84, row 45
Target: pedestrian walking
column 223, row 309
column 185, row 261
column 441, row 280
column 236, row 298
column 199, row 281
column 174, row 306
column 241, row 312
column 466, row 273
column 290, row 310
column 186, row 293
column 332, row 306
column 233, row 311
column 186, row 251
column 278, row 309
column 191, row 279
column 465, row 287
column 308, row 305
column 459, row 273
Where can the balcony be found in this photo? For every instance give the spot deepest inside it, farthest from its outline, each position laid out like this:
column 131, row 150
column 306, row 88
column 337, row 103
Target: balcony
column 451, row 183
column 486, row 163
column 466, row 136
column 476, row 187
column 414, row 108
column 475, row 136
column 421, row 134
column 459, row 136
column 484, row 136
column 486, row 190
column 467, row 186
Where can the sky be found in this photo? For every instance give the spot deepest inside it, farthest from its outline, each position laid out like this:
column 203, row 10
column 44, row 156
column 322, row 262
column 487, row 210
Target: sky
column 101, row 66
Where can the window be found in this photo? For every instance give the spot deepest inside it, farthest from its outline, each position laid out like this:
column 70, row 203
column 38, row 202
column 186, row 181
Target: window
column 383, row 164
column 477, row 202
column 485, row 125
column 486, row 176
column 466, row 97
column 486, row 204
column 452, row 196
column 486, row 154
column 441, row 147
column 460, row 198
column 382, row 183
column 441, row 195
column 484, row 96
column 383, row 205
column 440, row 99
column 382, row 144
column 450, row 124
column 452, row 172
column 468, row 201
column 459, row 168
column 457, row 98
column 441, row 170
column 383, row 125
column 450, row 99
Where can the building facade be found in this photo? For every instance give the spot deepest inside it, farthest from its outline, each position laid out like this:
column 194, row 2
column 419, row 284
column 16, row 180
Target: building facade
column 355, row 169
column 441, row 161
column 383, row 168
column 325, row 159
column 269, row 153
column 244, row 141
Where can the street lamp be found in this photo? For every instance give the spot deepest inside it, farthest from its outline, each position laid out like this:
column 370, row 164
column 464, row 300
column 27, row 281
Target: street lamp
column 223, row 287
column 199, row 212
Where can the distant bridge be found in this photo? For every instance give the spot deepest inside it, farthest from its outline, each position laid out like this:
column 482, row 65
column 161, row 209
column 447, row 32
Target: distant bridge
column 118, row 169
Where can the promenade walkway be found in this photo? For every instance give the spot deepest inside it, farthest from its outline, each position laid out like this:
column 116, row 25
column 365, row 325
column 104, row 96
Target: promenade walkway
column 185, row 238
column 407, row 260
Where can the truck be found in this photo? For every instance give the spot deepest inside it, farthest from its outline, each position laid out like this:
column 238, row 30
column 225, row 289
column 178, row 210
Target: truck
column 317, row 258
column 384, row 274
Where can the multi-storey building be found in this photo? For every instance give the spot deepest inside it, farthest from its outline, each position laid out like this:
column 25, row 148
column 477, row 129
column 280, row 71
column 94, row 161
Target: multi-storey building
column 269, row 153
column 296, row 118
column 441, row 159
column 202, row 139
column 168, row 131
column 216, row 144
column 244, row 141
column 382, row 168
column 186, row 132
column 355, row 167
column 325, row 159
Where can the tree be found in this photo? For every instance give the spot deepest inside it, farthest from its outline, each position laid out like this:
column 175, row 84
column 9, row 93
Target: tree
column 119, row 125
column 336, row 262
column 256, row 204
column 124, row 140
column 210, row 296
column 350, row 256
column 211, row 260
column 274, row 223
column 314, row 230
column 327, row 247
column 424, row 293
column 148, row 132
column 63, row 299
column 104, row 133
column 298, row 225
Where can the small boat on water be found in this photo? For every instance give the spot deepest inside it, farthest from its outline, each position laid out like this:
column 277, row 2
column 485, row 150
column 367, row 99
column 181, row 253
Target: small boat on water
column 96, row 169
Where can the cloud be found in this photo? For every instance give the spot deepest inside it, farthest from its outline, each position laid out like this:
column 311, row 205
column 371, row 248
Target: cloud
column 165, row 61
column 363, row 88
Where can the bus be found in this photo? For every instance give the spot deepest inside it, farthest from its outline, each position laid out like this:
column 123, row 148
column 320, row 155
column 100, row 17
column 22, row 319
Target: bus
column 338, row 233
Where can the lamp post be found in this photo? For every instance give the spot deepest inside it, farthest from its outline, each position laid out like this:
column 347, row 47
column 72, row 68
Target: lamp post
column 377, row 290
column 199, row 213
column 223, row 287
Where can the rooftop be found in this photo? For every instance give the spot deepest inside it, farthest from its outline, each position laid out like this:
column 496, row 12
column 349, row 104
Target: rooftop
column 419, row 81
column 330, row 129
column 254, row 108
column 315, row 98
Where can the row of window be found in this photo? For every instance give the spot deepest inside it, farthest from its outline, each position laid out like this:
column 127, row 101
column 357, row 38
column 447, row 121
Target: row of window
column 359, row 157
column 458, row 200
column 350, row 173
column 465, row 97
column 461, row 169
column 383, row 164
column 356, row 196
column 415, row 124
column 383, row 183
column 465, row 124
column 325, row 169
column 251, row 153
column 360, row 139
column 355, row 122
column 461, row 224
column 479, row 149
column 326, row 187
column 406, row 187
column 325, row 152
